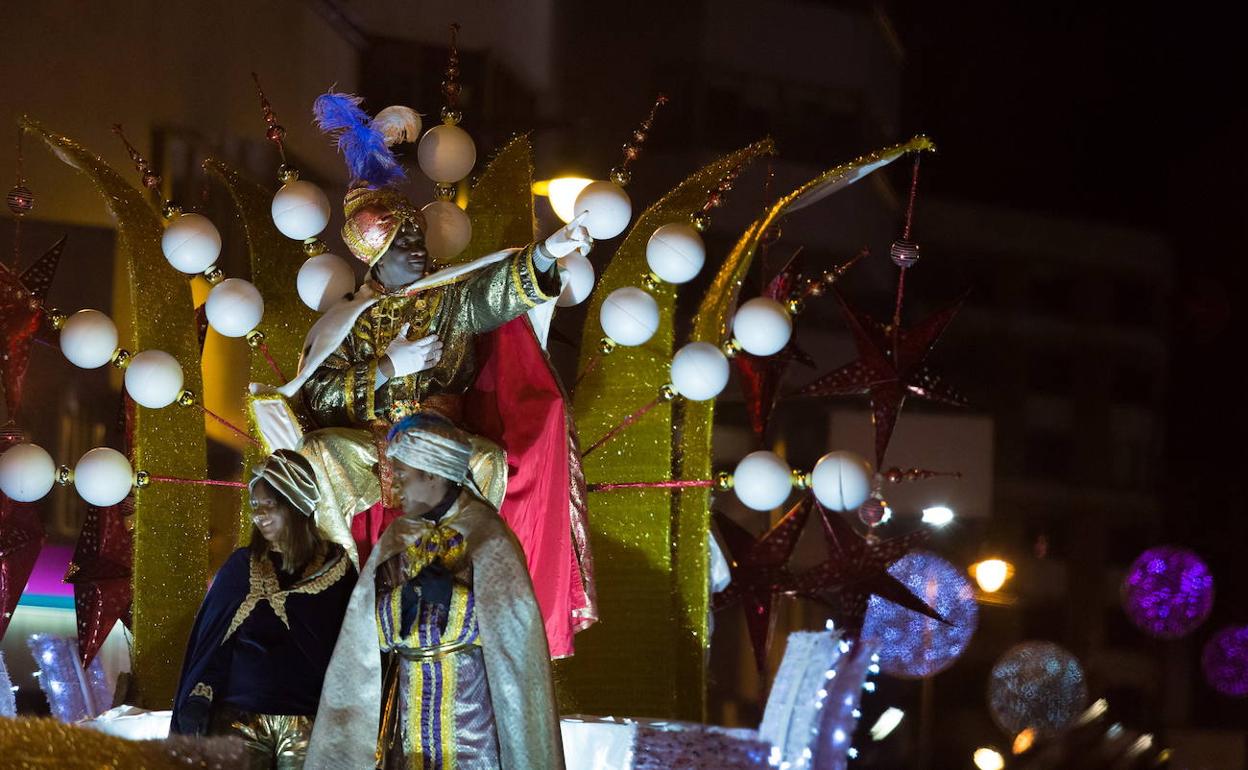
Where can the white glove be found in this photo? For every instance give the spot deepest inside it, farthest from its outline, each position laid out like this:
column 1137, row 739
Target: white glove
column 411, row 356
column 572, row 237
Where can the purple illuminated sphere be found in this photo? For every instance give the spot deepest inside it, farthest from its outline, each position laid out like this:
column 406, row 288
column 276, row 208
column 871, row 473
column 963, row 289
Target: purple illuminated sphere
column 1225, row 661
column 913, row 646
column 1168, row 592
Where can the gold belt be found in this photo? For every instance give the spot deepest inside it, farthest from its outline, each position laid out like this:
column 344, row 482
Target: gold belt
column 434, row 653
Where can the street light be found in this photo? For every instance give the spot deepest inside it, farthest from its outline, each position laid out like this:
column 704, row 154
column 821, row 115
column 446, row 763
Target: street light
column 562, row 192
column 991, row 574
column 938, row 515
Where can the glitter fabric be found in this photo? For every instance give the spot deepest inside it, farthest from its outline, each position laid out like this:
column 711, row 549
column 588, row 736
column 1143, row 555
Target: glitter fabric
column 648, row 655
column 913, row 646
column 33, row 744
column 21, row 539
column 8, row 703
column 170, row 528
column 1225, row 661
column 1168, row 592
column 100, row 573
column 1037, row 685
column 710, row 324
column 275, row 263
column 501, row 204
column 22, row 317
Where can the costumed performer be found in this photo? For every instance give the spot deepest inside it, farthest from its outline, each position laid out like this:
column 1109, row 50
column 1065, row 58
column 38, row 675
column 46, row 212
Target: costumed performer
column 266, row 630
column 458, row 341
column 447, row 595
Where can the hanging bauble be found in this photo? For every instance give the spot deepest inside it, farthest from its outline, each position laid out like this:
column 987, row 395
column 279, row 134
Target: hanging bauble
column 447, row 230
column 629, row 316
column 446, row 153
column 324, row 280
column 841, row 480
column 153, row 379
column 608, row 206
column 578, row 281
column 234, row 307
column 699, row 371
column 191, row 243
column 27, row 472
column 1225, row 661
column 300, row 210
column 103, row 477
column 675, row 252
column 912, row 645
column 762, row 481
column 1037, row 685
column 89, row 339
column 762, row 326
column 1168, row 592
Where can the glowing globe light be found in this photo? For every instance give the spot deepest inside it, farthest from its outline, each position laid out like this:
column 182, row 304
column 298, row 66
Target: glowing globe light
column 988, row 759
column 937, row 515
column 991, row 574
column 913, row 646
column 1225, row 661
column 562, row 193
column 1168, row 592
column 1037, row 685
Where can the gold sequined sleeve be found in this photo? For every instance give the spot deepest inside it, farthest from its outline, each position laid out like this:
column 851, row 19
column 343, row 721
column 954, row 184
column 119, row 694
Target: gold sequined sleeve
column 341, row 392
column 506, row 290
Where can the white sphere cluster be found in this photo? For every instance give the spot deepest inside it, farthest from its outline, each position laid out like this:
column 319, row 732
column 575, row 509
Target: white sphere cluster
column 447, row 230
column 608, row 209
column 191, row 243
column 89, row 339
column 234, row 307
column 762, row 326
column 300, row 210
column 578, row 282
column 324, row 280
column 841, row 481
column 629, row 316
column 699, row 371
column 446, row 153
column 103, row 477
column 27, row 473
column 153, row 379
column 676, row 253
column 762, row 480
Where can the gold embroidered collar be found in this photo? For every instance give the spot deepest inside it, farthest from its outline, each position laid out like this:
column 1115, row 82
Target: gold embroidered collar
column 263, row 586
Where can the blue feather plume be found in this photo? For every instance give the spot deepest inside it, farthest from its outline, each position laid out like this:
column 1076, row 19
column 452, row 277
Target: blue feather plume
column 364, row 146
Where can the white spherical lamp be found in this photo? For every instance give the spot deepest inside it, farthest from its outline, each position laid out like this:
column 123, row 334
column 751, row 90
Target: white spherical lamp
column 447, row 230
column 762, row 326
column 89, row 339
column 103, row 477
column 300, row 210
column 762, row 481
column 324, row 280
column 191, row 243
column 629, row 316
column 578, row 281
column 446, row 153
column 234, row 307
column 676, row 252
column 27, row 473
column 154, row 379
column 699, row 371
column 841, row 481
column 608, row 206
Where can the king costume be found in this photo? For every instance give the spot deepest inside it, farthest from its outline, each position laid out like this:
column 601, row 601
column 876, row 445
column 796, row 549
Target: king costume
column 469, row 683
column 493, row 379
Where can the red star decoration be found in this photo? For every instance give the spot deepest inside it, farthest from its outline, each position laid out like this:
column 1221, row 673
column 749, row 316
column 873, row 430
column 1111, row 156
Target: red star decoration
column 21, row 316
column 21, row 539
column 890, row 366
column 759, row 571
column 100, row 573
column 857, row 567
